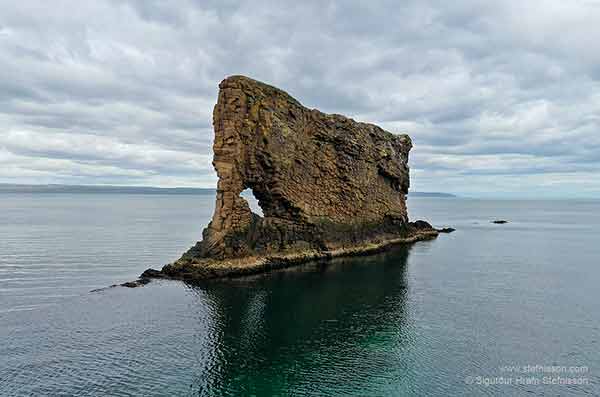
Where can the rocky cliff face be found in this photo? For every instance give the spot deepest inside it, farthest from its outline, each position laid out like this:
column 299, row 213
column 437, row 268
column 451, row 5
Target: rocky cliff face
column 323, row 181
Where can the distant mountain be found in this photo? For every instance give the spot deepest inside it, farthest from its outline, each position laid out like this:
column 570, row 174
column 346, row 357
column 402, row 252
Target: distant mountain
column 108, row 189
column 431, row 194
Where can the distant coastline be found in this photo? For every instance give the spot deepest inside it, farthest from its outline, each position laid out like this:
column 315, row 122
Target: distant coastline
column 100, row 189
column 112, row 189
column 431, row 194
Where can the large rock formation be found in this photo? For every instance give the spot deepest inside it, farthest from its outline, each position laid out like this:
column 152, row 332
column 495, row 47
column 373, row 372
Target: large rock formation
column 326, row 184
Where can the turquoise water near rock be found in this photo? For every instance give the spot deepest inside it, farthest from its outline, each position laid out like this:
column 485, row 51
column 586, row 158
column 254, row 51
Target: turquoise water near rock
column 453, row 316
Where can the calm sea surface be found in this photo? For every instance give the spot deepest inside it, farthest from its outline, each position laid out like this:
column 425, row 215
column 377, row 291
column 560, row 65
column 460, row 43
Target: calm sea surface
column 482, row 311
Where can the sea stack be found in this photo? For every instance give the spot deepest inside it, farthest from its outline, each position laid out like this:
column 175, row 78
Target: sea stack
column 327, row 185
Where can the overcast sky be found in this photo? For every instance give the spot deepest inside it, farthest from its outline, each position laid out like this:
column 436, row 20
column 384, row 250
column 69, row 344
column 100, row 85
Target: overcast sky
column 501, row 98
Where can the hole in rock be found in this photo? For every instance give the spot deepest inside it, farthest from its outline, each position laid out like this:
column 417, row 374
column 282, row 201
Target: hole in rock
column 248, row 195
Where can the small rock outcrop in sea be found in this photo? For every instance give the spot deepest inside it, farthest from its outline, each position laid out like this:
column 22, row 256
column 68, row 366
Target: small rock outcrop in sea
column 327, row 185
column 140, row 282
column 500, row 222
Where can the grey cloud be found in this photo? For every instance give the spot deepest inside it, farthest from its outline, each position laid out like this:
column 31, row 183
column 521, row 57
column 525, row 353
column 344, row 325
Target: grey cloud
column 496, row 88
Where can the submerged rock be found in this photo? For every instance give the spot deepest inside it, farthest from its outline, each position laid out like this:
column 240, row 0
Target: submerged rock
column 137, row 283
column 151, row 273
column 446, row 230
column 327, row 186
column 140, row 282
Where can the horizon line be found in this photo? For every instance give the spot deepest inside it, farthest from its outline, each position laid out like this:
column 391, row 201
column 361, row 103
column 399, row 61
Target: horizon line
column 6, row 187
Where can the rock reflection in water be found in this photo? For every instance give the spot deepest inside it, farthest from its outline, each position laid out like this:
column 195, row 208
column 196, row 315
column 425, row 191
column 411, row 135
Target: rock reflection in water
column 334, row 321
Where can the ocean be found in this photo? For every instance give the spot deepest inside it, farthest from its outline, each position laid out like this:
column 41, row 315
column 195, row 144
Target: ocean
column 487, row 310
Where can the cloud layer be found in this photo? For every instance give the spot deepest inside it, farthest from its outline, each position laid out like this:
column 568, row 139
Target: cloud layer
column 500, row 98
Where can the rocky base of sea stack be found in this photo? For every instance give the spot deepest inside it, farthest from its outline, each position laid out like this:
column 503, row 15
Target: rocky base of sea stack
column 197, row 269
